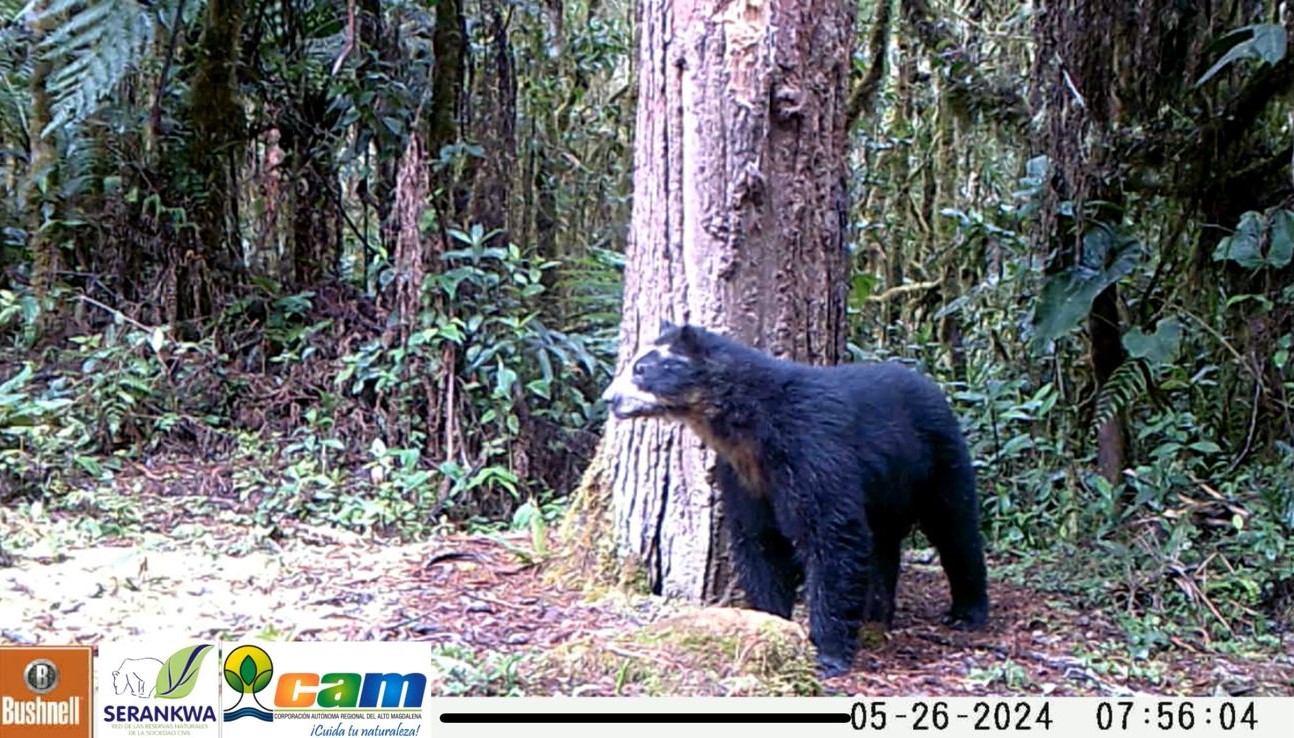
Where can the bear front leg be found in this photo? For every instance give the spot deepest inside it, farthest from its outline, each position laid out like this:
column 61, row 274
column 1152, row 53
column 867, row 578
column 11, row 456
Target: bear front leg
column 764, row 558
column 839, row 578
column 836, row 594
column 766, row 568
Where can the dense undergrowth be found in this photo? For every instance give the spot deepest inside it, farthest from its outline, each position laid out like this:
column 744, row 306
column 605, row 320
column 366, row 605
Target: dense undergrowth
column 322, row 406
column 1194, row 540
column 323, row 420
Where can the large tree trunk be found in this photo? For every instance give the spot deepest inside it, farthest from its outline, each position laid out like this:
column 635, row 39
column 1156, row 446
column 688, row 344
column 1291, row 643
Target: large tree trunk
column 316, row 213
column 380, row 47
column 738, row 223
column 1106, row 338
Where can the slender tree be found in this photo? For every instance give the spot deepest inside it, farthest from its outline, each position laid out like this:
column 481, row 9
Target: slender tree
column 218, row 128
column 43, row 173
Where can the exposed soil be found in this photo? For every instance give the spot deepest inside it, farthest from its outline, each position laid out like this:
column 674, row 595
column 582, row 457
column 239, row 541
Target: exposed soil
column 484, row 599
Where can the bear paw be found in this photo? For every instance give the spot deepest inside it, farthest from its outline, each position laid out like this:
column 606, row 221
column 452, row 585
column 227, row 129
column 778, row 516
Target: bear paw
column 967, row 619
column 830, row 667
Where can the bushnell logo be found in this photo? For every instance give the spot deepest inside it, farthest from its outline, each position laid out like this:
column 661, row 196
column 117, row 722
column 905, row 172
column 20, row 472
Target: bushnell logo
column 40, row 676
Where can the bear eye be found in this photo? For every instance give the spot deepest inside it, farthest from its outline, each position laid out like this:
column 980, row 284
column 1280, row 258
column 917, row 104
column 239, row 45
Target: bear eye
column 639, row 369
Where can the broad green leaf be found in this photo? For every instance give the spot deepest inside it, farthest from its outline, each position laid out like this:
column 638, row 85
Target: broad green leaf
column 861, row 288
column 1036, row 168
column 179, row 674
column 90, row 465
column 1159, row 347
column 17, row 380
column 1266, row 42
column 1269, row 42
column 1015, row 445
column 504, row 381
column 1245, row 245
column 1067, row 297
column 1281, row 251
column 1264, row 303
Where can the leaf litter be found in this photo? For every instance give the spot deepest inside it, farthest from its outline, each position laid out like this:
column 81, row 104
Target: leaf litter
column 503, row 623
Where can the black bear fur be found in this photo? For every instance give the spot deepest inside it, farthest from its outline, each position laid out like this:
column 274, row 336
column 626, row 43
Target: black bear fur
column 823, row 472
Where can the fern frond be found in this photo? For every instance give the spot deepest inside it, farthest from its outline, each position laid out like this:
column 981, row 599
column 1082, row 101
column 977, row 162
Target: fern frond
column 15, row 71
column 91, row 46
column 594, row 285
column 9, row 10
column 1130, row 382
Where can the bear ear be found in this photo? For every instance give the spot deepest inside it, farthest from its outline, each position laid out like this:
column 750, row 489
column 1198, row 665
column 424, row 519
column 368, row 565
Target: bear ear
column 689, row 339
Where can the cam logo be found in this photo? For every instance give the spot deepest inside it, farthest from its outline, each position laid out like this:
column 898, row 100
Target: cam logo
column 249, row 671
column 351, row 690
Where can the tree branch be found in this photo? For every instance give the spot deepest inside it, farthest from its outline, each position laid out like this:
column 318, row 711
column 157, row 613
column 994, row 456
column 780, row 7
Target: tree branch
column 904, row 289
column 863, row 96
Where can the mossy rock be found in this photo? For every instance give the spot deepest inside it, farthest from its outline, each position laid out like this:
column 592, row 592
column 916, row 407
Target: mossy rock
column 709, row 651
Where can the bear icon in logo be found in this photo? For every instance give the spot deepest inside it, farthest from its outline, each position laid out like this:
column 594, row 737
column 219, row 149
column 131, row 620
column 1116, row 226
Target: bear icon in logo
column 136, row 676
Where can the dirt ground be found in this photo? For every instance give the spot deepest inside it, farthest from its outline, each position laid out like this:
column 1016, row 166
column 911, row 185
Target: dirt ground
column 498, row 616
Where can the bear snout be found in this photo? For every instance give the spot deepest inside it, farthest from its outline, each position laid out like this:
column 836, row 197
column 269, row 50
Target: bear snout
column 624, row 406
column 625, row 400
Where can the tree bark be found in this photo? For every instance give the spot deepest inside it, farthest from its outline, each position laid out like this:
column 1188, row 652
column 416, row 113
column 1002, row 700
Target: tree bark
column 449, row 47
column 380, row 51
column 738, row 225
column 494, row 127
column 218, row 129
column 316, row 214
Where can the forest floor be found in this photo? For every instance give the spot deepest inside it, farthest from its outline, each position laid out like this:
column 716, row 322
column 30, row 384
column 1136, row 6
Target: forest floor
column 502, row 622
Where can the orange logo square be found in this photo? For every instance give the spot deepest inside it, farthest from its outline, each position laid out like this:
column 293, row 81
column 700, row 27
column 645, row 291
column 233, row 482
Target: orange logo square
column 45, row 691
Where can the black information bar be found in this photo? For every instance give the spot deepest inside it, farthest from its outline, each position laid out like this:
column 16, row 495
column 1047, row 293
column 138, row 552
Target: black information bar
column 815, row 718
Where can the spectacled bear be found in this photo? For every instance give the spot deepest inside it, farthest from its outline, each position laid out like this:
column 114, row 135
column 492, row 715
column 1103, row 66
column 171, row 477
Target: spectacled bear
column 823, row 472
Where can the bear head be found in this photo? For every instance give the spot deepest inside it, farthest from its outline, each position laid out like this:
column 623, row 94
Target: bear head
column 665, row 379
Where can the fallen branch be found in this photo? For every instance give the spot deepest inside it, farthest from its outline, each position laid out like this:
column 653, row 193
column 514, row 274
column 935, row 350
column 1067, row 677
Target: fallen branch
column 904, row 289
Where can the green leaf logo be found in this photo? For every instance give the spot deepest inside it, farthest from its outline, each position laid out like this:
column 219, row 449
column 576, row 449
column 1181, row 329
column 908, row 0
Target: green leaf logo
column 179, row 674
column 248, row 669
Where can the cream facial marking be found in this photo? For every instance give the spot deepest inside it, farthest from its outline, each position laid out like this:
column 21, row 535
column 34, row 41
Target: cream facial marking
column 624, row 394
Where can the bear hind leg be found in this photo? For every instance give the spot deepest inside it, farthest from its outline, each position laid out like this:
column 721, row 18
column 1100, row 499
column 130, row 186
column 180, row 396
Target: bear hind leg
column 953, row 529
